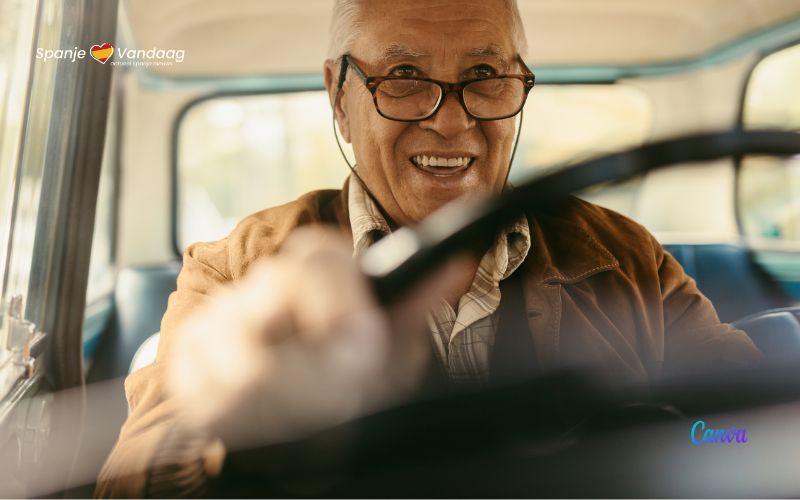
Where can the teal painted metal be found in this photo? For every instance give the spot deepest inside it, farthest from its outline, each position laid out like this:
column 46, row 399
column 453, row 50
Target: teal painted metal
column 255, row 83
column 759, row 42
column 94, row 324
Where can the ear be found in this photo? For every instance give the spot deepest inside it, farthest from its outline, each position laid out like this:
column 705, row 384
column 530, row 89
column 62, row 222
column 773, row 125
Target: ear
column 332, row 76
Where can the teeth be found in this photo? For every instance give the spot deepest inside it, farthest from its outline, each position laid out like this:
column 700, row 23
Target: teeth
column 437, row 161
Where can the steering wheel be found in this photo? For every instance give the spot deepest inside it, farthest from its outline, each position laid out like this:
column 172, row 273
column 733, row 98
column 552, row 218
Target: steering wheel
column 397, row 262
column 518, row 439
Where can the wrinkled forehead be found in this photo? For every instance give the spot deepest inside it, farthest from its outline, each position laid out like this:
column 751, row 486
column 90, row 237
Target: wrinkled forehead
column 435, row 29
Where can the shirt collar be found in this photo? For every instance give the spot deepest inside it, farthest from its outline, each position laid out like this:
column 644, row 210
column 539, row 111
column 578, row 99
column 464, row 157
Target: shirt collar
column 366, row 221
column 368, row 225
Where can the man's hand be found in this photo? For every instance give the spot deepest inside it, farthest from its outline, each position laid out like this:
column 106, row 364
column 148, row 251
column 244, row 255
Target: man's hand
column 296, row 346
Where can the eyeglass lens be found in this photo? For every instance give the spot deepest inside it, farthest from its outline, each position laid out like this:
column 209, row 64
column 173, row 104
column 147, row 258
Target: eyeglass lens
column 409, row 99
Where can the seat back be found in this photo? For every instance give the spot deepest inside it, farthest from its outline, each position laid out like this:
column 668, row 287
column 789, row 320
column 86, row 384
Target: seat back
column 729, row 276
column 140, row 300
column 775, row 332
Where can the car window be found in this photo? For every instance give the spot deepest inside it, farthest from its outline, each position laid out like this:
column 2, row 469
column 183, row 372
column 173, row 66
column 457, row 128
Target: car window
column 240, row 154
column 32, row 178
column 771, row 98
column 16, row 53
column 769, row 188
column 25, row 147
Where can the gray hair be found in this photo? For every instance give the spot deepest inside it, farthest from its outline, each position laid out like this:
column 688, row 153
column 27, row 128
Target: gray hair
column 345, row 27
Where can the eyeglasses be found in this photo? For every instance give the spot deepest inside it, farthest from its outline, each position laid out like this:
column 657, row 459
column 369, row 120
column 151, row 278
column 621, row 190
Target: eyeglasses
column 413, row 99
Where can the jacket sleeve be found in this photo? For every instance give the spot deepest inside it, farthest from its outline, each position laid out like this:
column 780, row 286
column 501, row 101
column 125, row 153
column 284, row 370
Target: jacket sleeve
column 151, row 417
column 694, row 338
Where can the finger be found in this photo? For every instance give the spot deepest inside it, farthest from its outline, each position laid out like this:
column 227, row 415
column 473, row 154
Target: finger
column 332, row 295
column 264, row 299
column 221, row 353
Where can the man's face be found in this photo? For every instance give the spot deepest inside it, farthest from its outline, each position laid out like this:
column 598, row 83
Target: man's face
column 444, row 40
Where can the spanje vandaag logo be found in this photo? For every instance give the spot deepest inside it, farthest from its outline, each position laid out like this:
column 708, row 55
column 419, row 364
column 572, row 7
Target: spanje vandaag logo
column 104, row 52
column 702, row 434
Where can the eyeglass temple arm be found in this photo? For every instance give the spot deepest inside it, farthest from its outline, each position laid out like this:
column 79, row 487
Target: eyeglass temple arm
column 342, row 72
column 524, row 66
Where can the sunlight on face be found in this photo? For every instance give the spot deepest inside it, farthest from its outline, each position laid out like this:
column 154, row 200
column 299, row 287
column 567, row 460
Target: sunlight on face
column 449, row 41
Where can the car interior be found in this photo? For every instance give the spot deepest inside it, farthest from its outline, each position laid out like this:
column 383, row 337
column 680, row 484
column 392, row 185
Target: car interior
column 108, row 171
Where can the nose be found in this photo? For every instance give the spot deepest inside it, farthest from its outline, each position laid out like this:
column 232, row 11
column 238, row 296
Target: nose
column 451, row 119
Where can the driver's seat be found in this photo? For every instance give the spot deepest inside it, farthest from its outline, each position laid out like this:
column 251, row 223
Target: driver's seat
column 776, row 332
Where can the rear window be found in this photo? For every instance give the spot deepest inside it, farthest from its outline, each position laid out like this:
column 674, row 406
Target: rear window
column 242, row 153
column 769, row 187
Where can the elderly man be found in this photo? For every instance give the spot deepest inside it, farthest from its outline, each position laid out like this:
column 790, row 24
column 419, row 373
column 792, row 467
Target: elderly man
column 274, row 331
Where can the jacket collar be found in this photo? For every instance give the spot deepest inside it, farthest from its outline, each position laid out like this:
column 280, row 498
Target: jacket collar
column 338, row 211
column 564, row 252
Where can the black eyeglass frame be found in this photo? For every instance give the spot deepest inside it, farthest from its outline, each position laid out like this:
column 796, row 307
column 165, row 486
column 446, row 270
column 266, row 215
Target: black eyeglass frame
column 372, row 82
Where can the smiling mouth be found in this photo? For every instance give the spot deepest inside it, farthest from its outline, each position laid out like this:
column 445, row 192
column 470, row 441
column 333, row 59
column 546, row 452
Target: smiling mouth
column 442, row 166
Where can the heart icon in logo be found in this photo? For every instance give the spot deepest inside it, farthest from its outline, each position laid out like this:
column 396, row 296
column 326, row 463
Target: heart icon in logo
column 102, row 53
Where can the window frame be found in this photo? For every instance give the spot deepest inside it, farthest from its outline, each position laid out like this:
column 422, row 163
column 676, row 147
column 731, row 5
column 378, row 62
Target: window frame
column 99, row 309
column 174, row 144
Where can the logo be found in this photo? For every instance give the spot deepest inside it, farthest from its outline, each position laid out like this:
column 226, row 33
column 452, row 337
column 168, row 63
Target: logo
column 701, row 435
column 102, row 53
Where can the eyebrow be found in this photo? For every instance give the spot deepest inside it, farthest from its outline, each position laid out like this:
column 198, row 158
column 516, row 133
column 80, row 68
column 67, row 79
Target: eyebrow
column 398, row 51
column 490, row 50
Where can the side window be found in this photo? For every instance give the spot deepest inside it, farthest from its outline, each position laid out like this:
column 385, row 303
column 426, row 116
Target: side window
column 26, row 94
column 240, row 154
column 17, row 20
column 571, row 123
column 566, row 124
column 769, row 188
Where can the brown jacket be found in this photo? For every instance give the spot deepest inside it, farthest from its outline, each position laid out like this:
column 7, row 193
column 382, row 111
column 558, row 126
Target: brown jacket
column 599, row 290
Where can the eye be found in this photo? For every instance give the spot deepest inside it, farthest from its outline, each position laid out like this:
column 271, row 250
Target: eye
column 404, row 71
column 483, row 71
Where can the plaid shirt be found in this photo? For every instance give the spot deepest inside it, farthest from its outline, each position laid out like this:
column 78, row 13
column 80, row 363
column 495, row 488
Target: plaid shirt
column 463, row 339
